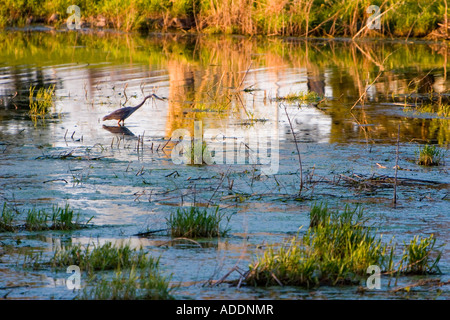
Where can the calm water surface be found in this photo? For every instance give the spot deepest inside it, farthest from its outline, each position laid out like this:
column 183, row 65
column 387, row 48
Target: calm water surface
column 228, row 85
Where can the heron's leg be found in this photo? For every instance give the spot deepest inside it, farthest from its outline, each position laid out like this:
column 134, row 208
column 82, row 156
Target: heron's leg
column 119, row 123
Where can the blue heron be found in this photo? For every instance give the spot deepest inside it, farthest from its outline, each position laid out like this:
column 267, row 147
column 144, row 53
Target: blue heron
column 123, row 113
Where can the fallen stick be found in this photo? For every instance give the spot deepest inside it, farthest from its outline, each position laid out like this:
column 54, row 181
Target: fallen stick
column 221, row 280
column 55, row 180
column 176, row 239
column 147, row 233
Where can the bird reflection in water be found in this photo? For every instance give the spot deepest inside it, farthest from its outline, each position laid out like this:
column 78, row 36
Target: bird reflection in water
column 121, row 130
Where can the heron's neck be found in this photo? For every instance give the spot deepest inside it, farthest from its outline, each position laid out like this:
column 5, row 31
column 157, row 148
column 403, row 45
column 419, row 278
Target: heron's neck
column 142, row 103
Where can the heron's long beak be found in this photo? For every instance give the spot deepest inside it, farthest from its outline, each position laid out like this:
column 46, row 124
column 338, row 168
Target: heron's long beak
column 159, row 98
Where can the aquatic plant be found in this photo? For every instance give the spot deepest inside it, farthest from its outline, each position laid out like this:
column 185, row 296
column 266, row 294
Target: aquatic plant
column 63, row 219
column 136, row 274
column 131, row 284
column 94, row 257
column 321, row 216
column 318, row 215
column 336, row 249
column 36, row 220
column 305, row 97
column 416, row 256
column 41, row 104
column 429, row 155
column 196, row 223
column 7, row 219
column 40, row 220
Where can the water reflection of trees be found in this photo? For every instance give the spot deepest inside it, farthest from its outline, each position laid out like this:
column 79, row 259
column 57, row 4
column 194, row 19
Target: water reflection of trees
column 206, row 72
column 346, row 70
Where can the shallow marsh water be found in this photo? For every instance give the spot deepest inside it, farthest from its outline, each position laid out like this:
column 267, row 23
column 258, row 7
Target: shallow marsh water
column 229, row 86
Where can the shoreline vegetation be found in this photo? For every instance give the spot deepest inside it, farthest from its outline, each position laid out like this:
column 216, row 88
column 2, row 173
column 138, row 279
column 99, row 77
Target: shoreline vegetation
column 301, row 18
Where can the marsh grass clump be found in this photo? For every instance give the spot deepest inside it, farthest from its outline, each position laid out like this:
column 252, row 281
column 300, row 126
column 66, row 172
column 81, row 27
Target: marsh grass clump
column 60, row 219
column 66, row 219
column 101, row 257
column 429, row 155
column 321, row 216
column 305, row 97
column 41, row 104
column 136, row 273
column 417, row 256
column 36, row 220
column 337, row 249
column 196, row 223
column 40, row 219
column 7, row 219
column 131, row 284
